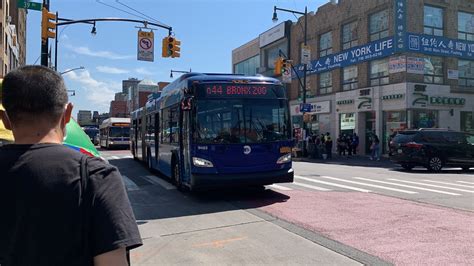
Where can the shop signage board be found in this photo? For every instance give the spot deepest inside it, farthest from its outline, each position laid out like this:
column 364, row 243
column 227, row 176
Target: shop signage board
column 305, row 107
column 272, row 35
column 415, row 65
column 305, row 54
column 397, row 64
column 440, row 46
column 364, row 101
column 145, row 51
column 453, row 74
column 370, row 51
column 312, row 108
column 400, row 25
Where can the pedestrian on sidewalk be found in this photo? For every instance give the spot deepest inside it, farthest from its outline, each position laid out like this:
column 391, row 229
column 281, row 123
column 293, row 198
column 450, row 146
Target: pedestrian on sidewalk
column 341, row 145
column 355, row 143
column 328, row 145
column 348, row 142
column 375, row 148
column 59, row 206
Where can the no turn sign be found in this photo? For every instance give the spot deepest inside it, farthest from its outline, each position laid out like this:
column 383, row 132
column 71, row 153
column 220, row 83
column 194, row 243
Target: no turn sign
column 145, row 46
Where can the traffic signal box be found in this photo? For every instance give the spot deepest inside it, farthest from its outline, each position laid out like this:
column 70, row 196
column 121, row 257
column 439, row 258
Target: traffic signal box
column 48, row 28
column 278, row 66
column 171, row 47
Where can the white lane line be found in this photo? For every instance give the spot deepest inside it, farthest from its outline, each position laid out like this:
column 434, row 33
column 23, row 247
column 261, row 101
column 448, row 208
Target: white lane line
column 279, row 187
column 370, row 185
column 114, row 157
column 310, row 186
column 158, row 181
column 401, row 185
column 430, row 185
column 464, row 182
column 129, row 184
column 128, row 156
column 332, row 184
column 446, row 183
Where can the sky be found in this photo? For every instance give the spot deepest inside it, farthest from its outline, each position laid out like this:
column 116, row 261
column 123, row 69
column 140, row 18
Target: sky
column 208, row 30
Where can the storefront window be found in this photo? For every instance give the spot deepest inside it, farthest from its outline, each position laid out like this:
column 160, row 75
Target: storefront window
column 467, row 122
column 349, row 79
column 379, row 72
column 424, row 119
column 271, row 54
column 433, row 21
column 378, row 27
column 466, row 73
column 325, row 82
column 466, row 26
column 349, row 35
column 248, row 67
column 347, row 123
column 434, row 70
column 325, row 44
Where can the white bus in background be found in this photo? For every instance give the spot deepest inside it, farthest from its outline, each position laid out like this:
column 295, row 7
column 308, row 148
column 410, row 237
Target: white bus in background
column 115, row 133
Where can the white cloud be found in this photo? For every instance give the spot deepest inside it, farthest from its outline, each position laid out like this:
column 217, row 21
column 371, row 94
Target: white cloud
column 144, row 71
column 97, row 92
column 111, row 70
column 83, row 50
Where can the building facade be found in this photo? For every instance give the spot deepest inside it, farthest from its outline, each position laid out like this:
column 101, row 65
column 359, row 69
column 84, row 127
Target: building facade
column 118, row 108
column 84, row 117
column 381, row 66
column 13, row 36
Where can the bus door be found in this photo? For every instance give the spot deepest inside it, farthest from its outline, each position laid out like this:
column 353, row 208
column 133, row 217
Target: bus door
column 185, row 138
column 155, row 135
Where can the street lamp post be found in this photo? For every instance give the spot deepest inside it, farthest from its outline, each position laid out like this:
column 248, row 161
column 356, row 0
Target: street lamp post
column 305, row 66
column 72, row 69
column 178, row 71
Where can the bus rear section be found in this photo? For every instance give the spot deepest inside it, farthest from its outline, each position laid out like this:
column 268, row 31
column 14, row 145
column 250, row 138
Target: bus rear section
column 115, row 133
column 240, row 136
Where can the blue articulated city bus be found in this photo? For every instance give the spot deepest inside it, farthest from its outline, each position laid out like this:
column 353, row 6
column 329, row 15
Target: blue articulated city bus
column 215, row 130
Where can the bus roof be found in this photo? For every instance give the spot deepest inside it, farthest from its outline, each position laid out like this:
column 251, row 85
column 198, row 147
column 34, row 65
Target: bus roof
column 109, row 121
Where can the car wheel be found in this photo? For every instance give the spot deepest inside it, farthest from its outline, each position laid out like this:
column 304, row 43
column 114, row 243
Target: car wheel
column 435, row 164
column 407, row 167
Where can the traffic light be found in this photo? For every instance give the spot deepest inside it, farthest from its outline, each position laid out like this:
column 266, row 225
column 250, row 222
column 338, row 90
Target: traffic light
column 171, row 47
column 48, row 27
column 278, row 66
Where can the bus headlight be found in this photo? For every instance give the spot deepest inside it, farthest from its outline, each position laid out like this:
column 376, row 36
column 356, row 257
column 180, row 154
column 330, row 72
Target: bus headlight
column 284, row 159
column 200, row 162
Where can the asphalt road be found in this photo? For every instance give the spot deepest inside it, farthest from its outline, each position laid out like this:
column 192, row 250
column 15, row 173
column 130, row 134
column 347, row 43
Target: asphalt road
column 342, row 212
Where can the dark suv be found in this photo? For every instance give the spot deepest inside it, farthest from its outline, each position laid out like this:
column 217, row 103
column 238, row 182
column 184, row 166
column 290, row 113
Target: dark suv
column 433, row 149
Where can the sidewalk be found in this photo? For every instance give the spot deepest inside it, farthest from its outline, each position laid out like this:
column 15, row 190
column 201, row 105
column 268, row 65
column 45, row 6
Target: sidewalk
column 354, row 160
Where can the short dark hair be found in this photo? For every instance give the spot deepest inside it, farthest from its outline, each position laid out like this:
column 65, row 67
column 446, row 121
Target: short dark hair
column 34, row 90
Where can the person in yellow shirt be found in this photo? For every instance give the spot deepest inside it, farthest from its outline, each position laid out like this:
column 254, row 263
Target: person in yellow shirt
column 6, row 136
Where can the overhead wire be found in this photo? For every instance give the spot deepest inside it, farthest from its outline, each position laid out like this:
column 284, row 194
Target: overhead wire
column 141, row 13
column 125, row 11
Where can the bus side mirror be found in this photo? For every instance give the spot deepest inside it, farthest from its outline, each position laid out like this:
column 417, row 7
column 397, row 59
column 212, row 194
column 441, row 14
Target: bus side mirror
column 186, row 104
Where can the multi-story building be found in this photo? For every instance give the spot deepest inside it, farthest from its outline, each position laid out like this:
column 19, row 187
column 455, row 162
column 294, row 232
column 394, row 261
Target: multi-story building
column 12, row 36
column 118, row 108
column 84, row 117
column 381, row 66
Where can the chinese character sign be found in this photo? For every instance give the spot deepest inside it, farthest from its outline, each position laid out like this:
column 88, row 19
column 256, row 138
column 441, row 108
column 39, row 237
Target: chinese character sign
column 400, row 25
column 435, row 45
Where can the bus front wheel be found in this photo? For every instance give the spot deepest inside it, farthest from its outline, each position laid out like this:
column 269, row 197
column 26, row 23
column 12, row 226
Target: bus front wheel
column 177, row 177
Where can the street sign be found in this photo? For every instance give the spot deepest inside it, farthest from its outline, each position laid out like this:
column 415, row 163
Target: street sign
column 305, row 107
column 145, row 46
column 27, row 4
column 305, row 55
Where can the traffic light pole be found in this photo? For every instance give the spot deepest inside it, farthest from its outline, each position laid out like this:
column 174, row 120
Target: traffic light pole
column 44, row 41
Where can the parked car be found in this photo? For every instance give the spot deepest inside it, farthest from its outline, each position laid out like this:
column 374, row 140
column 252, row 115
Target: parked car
column 433, row 149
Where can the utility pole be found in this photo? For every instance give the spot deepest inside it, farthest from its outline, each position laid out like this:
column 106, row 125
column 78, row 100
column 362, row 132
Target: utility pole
column 44, row 41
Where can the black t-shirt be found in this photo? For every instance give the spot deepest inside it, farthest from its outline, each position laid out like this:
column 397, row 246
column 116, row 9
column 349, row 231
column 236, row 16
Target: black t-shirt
column 41, row 221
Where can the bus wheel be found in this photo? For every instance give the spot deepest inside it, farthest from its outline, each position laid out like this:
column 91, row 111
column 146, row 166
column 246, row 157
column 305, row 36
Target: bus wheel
column 177, row 177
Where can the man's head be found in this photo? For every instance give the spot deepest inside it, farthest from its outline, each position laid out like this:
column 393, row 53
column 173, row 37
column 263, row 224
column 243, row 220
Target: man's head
column 35, row 96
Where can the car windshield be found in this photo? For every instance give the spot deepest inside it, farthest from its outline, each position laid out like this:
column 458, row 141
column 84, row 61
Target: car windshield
column 116, row 132
column 241, row 121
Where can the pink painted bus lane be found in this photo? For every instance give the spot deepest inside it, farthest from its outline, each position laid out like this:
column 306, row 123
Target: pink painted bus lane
column 399, row 231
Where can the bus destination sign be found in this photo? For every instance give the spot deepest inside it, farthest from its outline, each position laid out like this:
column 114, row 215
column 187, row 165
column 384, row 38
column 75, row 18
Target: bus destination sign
column 238, row 90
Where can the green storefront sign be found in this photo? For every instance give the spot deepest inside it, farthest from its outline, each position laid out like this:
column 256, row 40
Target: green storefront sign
column 447, row 101
column 27, row 4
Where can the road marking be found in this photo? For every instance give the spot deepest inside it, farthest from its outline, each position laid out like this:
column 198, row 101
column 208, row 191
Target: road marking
column 279, row 187
column 114, row 157
column 332, row 184
column 158, row 181
column 129, row 184
column 219, row 243
column 464, row 182
column 310, row 186
column 370, row 185
column 430, row 185
column 446, row 183
column 128, row 157
column 401, row 185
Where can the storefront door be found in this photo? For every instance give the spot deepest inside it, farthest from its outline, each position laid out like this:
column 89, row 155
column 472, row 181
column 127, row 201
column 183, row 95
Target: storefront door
column 369, row 130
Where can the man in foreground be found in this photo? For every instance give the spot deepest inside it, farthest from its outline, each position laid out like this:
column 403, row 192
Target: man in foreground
column 48, row 217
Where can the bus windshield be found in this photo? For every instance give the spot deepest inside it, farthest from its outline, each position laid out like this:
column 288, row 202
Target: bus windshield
column 116, row 132
column 241, row 121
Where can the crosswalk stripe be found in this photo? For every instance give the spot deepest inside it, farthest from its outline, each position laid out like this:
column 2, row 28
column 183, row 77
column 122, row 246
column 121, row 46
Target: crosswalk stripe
column 310, row 186
column 401, row 185
column 430, row 185
column 464, row 182
column 114, row 157
column 332, row 184
column 370, row 185
column 446, row 183
column 158, row 181
column 279, row 187
column 129, row 184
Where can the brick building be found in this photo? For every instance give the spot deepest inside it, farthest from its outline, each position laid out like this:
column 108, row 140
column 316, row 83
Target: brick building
column 118, row 108
column 380, row 66
column 12, row 36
